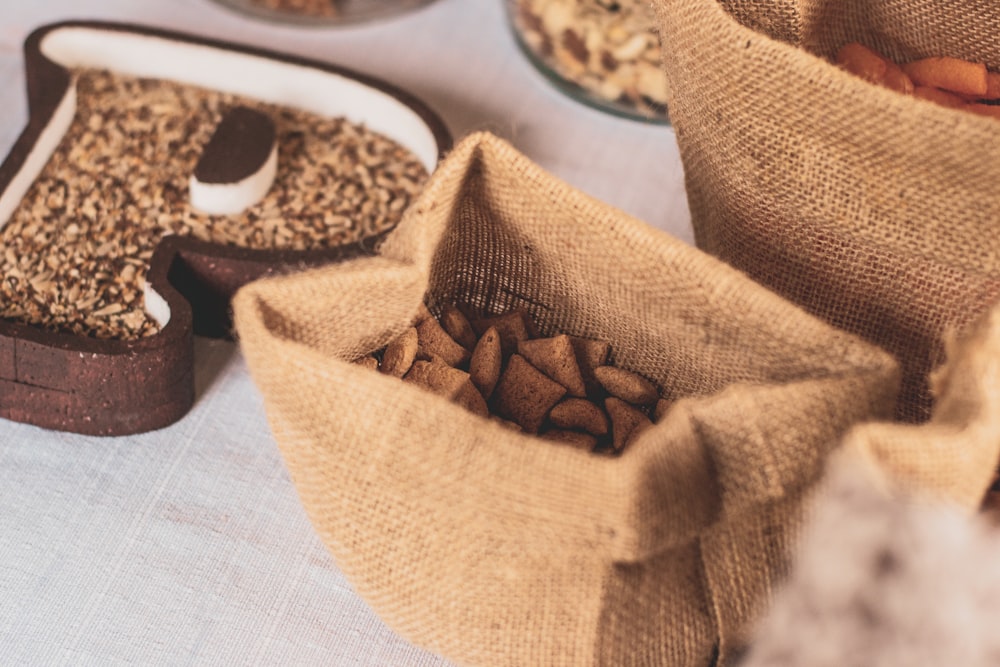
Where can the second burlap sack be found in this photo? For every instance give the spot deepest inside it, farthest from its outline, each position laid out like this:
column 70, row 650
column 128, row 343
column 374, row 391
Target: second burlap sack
column 874, row 210
column 493, row 547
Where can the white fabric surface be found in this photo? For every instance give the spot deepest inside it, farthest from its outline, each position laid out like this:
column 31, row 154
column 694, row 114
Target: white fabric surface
column 188, row 546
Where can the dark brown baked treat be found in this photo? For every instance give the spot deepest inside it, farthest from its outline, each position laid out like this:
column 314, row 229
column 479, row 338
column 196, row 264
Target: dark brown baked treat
column 118, row 367
column 555, row 357
column 241, row 144
column 627, row 422
column 524, row 394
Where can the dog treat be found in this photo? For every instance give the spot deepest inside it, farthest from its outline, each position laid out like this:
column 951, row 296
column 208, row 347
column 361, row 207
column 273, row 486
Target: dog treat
column 513, row 327
column 486, row 361
column 400, row 354
column 457, row 325
column 525, row 395
column 77, row 248
column 555, row 357
column 629, row 387
column 108, row 272
column 449, row 382
column 590, row 354
column 579, row 414
column 237, row 165
column 627, row 422
column 939, row 97
column 539, row 389
column 945, row 81
column 435, row 341
column 369, row 361
column 958, row 76
column 506, row 423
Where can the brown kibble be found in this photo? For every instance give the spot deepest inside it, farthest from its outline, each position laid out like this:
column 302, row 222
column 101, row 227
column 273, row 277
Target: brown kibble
column 506, row 423
column 940, row 97
column 452, row 383
column 525, row 395
column 626, row 385
column 989, row 110
column 661, row 408
column 584, row 441
column 627, row 422
column 555, row 357
column 458, row 327
column 992, row 86
column 590, row 354
column 896, row 79
column 434, row 340
column 861, row 61
column 579, row 414
column 513, row 327
column 952, row 74
column 400, row 354
column 368, row 361
column 486, row 361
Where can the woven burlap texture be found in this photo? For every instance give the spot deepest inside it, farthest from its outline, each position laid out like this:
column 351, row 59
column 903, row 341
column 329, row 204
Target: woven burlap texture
column 952, row 457
column 493, row 547
column 874, row 210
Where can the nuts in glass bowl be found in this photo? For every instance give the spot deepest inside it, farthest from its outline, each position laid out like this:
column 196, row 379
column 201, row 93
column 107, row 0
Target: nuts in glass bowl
column 603, row 52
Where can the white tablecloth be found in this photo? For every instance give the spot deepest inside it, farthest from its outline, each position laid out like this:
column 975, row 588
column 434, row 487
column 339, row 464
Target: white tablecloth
column 188, row 545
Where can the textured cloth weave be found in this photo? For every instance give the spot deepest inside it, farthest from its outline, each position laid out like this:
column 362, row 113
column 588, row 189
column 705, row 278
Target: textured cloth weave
column 874, row 210
column 493, row 547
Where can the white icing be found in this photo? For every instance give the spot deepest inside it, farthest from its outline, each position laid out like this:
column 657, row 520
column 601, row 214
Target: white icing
column 232, row 198
column 39, row 155
column 155, row 305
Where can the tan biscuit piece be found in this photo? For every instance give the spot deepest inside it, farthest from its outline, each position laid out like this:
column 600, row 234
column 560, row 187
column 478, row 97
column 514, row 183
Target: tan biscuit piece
column 584, row 441
column 434, row 340
column 579, row 414
column 555, row 357
column 367, row 361
column 486, row 361
column 627, row 422
column 626, row 385
column 452, row 383
column 661, row 408
column 400, row 354
column 506, row 423
column 525, row 395
column 458, row 327
column 513, row 327
column 590, row 354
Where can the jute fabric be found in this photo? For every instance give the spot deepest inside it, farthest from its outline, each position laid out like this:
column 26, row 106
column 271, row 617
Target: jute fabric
column 493, row 547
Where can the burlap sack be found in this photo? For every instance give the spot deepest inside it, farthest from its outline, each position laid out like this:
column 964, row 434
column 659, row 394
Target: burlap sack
column 874, row 210
column 492, row 547
column 953, row 457
column 882, row 536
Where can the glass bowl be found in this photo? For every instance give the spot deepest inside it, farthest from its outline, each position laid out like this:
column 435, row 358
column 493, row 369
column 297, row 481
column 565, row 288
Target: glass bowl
column 321, row 12
column 605, row 53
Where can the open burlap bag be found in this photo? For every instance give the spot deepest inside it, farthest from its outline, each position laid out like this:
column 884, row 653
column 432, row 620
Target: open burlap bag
column 872, row 209
column 492, row 547
column 887, row 572
column 953, row 457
